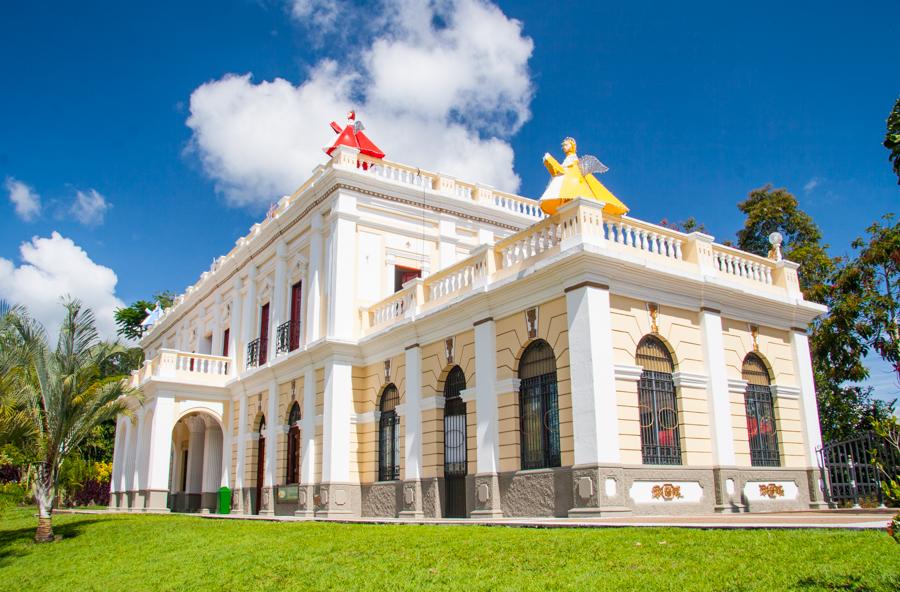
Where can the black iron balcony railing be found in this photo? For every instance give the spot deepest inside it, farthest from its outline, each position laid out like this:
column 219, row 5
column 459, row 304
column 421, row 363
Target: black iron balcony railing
column 287, row 336
column 256, row 352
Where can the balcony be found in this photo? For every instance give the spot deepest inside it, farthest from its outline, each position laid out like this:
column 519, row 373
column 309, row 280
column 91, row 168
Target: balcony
column 582, row 222
column 256, row 352
column 179, row 366
column 287, row 336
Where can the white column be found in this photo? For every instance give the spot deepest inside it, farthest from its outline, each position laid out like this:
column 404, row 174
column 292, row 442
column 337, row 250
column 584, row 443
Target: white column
column 273, row 426
column 413, row 420
column 812, row 431
column 595, row 416
column 447, row 248
column 126, row 456
column 228, row 424
column 717, row 387
column 248, row 320
column 341, row 269
column 218, row 326
column 313, row 282
column 336, row 422
column 308, row 427
column 130, row 476
column 279, row 294
column 241, row 449
column 139, row 450
column 160, row 451
column 114, row 484
column 488, row 444
column 196, row 440
column 212, row 457
column 234, row 329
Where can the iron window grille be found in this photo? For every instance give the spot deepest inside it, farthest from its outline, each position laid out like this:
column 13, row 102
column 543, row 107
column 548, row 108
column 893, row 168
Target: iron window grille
column 657, row 404
column 454, row 424
column 253, row 349
column 539, row 408
column 293, row 445
column 389, row 435
column 761, row 426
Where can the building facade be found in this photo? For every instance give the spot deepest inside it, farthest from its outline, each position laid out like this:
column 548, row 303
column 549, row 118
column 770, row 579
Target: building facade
column 391, row 342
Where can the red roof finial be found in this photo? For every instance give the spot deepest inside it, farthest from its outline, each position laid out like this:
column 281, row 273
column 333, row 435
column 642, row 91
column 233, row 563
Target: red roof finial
column 352, row 135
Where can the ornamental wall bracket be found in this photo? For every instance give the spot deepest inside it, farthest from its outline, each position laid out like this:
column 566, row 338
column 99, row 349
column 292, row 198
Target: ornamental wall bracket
column 667, row 492
column 771, row 490
column 653, row 311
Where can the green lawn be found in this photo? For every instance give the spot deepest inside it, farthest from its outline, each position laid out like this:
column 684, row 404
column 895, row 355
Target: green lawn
column 121, row 552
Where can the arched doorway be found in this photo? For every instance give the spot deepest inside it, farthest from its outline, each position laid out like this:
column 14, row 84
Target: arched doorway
column 196, row 463
column 260, row 466
column 455, row 468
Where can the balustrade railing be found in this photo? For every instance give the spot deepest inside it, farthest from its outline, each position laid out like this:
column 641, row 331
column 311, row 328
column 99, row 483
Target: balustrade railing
column 743, row 265
column 583, row 222
column 169, row 364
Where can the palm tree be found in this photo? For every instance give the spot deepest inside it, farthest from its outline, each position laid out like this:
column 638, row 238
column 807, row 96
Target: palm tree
column 65, row 392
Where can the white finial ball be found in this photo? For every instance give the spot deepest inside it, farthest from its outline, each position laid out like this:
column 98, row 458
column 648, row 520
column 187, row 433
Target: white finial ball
column 775, row 239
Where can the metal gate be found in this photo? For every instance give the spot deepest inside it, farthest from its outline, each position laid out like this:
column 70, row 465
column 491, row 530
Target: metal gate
column 455, row 457
column 849, row 473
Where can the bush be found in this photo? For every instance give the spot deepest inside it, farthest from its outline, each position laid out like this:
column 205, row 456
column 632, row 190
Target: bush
column 13, row 494
column 10, row 474
column 90, row 493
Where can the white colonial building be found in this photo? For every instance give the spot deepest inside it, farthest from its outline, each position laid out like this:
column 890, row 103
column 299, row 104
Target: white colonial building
column 395, row 342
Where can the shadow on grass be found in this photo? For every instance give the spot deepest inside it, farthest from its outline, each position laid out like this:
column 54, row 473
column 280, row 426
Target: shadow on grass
column 19, row 542
column 852, row 583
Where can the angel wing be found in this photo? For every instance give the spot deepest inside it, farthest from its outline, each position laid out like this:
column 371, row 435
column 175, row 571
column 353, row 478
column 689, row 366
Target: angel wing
column 589, row 164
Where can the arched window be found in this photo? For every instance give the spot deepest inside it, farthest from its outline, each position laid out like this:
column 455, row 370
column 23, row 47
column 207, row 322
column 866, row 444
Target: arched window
column 760, row 413
column 260, row 464
column 539, row 407
column 293, row 445
column 660, row 441
column 454, row 423
column 389, row 435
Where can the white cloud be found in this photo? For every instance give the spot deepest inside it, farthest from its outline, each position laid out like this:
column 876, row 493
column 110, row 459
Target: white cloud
column 89, row 207
column 812, row 184
column 440, row 85
column 318, row 15
column 24, row 198
column 55, row 267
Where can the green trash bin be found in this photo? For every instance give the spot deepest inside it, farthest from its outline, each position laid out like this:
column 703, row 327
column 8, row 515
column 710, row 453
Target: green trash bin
column 224, row 500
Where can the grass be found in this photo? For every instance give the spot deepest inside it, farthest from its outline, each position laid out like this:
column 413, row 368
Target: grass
column 150, row 552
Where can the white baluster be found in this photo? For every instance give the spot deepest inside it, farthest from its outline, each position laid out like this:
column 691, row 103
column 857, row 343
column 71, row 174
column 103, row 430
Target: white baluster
column 678, row 249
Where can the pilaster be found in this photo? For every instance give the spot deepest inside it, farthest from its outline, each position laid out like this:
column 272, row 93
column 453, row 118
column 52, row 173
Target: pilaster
column 412, row 486
column 314, row 272
column 812, row 431
column 487, row 485
column 160, row 448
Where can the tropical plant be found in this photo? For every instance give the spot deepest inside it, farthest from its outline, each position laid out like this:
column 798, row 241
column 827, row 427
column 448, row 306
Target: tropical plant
column 65, row 393
column 892, row 138
column 129, row 318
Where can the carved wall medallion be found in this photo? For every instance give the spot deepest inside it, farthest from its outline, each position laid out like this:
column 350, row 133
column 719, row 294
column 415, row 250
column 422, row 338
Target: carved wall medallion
column 771, row 490
column 483, row 492
column 667, row 492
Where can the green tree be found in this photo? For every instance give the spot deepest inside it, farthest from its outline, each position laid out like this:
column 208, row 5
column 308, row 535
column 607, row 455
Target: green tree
column 129, row 318
column 688, row 225
column 892, row 138
column 769, row 210
column 844, row 406
column 66, row 395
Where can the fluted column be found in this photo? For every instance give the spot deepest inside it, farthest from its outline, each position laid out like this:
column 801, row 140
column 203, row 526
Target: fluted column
column 308, row 434
column 140, row 454
column 212, row 464
column 197, row 430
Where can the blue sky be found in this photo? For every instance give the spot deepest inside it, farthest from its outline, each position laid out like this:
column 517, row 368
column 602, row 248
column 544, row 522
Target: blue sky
column 690, row 105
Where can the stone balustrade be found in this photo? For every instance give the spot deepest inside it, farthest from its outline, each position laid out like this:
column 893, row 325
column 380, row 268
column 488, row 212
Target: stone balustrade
column 170, row 364
column 583, row 222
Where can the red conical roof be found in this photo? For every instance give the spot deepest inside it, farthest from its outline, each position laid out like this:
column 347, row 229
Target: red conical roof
column 353, row 136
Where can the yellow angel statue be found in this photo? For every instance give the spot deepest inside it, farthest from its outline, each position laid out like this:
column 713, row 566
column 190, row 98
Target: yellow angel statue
column 575, row 178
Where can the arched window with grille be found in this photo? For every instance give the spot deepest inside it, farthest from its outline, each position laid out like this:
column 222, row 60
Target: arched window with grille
column 760, row 413
column 455, row 467
column 293, row 445
column 389, row 435
column 539, row 407
column 658, row 407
